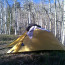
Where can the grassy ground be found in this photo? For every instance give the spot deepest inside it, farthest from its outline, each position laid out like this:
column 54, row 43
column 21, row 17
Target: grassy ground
column 33, row 58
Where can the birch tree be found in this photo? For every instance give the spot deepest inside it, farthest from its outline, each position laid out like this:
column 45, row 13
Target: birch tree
column 15, row 17
column 55, row 17
column 1, row 15
column 50, row 13
column 10, row 22
column 5, row 16
column 63, row 26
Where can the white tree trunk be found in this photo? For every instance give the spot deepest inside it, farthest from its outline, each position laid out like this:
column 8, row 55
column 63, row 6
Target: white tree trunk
column 1, row 22
column 5, row 17
column 55, row 16
column 50, row 14
column 10, row 25
column 62, row 25
column 15, row 18
column 1, row 17
column 29, row 18
column 63, row 36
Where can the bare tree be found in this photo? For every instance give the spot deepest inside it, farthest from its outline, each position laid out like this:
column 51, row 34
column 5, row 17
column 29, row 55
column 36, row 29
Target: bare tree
column 63, row 38
column 1, row 18
column 50, row 13
column 15, row 17
column 10, row 24
column 28, row 6
column 5, row 16
column 55, row 17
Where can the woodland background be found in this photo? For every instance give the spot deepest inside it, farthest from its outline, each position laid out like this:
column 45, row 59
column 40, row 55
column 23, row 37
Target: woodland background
column 16, row 15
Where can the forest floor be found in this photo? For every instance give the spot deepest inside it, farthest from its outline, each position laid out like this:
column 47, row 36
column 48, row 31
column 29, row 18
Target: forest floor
column 33, row 58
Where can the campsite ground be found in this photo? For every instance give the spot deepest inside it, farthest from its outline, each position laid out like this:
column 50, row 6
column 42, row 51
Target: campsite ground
column 34, row 58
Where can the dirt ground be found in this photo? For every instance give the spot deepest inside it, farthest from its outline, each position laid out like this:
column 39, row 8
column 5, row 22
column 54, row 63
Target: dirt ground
column 29, row 58
column 33, row 58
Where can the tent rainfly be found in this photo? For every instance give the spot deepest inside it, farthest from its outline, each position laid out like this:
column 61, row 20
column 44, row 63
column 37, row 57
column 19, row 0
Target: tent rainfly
column 41, row 40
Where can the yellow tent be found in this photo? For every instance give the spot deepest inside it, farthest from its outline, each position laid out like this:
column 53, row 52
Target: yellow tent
column 41, row 40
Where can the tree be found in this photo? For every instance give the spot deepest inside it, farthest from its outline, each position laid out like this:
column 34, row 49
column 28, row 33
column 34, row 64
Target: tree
column 5, row 16
column 28, row 6
column 1, row 16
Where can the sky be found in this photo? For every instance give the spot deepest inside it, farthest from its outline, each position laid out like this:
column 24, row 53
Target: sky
column 11, row 1
column 35, row 1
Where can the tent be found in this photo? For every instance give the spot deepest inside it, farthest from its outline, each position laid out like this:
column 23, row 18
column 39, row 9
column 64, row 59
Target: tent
column 41, row 40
